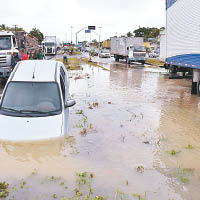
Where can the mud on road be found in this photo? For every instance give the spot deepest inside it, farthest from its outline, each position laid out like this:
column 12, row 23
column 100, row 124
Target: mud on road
column 134, row 131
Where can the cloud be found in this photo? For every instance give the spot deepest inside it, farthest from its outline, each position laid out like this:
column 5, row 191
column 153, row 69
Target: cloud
column 56, row 17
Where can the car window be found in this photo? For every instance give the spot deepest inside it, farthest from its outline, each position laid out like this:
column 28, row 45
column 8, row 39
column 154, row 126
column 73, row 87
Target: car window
column 32, row 96
column 105, row 51
column 62, row 73
column 62, row 84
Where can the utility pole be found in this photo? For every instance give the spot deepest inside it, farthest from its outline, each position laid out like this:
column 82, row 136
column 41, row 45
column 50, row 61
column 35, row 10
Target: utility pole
column 78, row 33
column 100, row 33
column 15, row 27
column 100, row 37
column 71, row 33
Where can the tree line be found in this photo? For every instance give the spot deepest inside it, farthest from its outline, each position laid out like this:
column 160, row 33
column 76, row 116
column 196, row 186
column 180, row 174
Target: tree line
column 146, row 32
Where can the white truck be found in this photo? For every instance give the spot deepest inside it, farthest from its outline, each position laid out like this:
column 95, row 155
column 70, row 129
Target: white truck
column 50, row 45
column 183, row 39
column 8, row 44
column 130, row 48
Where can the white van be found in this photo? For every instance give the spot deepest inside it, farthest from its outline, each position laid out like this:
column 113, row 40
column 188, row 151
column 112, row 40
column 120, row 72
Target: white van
column 34, row 103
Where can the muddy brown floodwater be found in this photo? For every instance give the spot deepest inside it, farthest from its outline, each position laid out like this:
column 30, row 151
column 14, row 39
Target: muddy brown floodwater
column 135, row 130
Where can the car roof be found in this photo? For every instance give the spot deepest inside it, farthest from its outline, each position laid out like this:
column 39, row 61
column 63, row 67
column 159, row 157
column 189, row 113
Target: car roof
column 36, row 71
column 5, row 33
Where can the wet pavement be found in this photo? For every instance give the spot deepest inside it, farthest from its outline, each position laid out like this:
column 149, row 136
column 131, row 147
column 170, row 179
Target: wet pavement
column 134, row 129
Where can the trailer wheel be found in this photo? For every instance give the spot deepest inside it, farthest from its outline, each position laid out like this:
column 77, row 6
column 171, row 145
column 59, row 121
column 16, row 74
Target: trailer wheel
column 172, row 69
column 198, row 88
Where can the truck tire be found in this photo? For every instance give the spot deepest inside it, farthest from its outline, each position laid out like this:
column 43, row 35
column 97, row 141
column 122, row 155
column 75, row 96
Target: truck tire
column 198, row 88
column 194, row 88
column 172, row 69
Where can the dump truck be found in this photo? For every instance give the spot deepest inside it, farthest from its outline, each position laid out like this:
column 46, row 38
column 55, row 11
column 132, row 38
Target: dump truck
column 8, row 45
column 14, row 41
column 129, row 48
column 182, row 39
column 50, row 45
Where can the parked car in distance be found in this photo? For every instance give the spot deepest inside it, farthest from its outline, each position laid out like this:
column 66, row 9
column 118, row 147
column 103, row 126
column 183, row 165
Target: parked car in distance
column 105, row 53
column 34, row 103
column 154, row 54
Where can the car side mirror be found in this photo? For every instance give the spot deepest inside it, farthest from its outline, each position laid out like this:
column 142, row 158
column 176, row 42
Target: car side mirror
column 70, row 103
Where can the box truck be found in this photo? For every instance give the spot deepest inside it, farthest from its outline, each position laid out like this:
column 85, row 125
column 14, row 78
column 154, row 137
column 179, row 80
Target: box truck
column 129, row 48
column 183, row 39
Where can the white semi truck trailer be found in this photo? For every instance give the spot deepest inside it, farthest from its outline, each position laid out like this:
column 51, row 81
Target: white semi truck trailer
column 50, row 45
column 162, row 56
column 130, row 48
column 183, row 39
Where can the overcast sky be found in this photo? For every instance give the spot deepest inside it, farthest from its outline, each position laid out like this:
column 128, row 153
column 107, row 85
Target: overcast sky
column 54, row 17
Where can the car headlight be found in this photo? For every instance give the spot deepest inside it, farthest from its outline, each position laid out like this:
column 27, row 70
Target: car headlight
column 9, row 53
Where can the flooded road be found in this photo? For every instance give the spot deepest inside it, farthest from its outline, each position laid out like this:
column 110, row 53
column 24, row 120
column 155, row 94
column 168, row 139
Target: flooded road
column 133, row 129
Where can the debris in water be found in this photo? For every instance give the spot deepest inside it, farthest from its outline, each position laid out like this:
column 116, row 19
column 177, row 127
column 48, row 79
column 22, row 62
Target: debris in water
column 78, row 77
column 184, row 179
column 79, row 112
column 83, row 132
column 140, row 169
column 189, row 146
column 173, row 152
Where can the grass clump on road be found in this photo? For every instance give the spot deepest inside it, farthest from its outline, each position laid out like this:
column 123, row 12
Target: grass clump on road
column 86, row 60
column 153, row 61
column 73, row 63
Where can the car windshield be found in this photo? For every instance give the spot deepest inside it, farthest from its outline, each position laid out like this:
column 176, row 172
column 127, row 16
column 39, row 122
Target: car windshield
column 31, row 97
column 5, row 42
column 50, row 44
column 105, row 51
column 140, row 49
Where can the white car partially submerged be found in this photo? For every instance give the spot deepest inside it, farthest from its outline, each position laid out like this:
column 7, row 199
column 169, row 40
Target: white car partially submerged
column 34, row 104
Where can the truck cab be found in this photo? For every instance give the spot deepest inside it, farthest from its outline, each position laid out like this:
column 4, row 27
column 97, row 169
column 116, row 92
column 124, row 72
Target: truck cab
column 50, row 45
column 136, row 53
column 50, row 48
column 8, row 44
